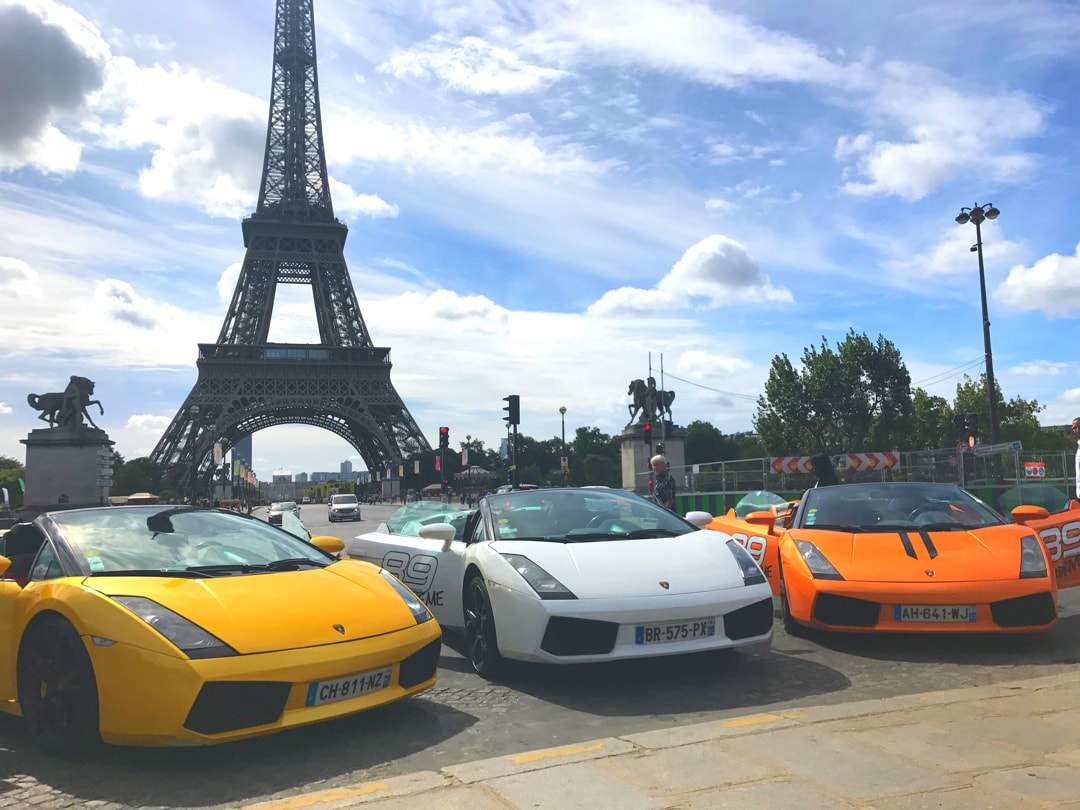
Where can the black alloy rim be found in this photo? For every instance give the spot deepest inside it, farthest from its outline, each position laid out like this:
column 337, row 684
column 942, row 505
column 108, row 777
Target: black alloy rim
column 477, row 620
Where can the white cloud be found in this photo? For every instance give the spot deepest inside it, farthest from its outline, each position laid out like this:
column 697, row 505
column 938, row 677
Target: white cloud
column 17, row 278
column 226, row 284
column 52, row 62
column 935, row 132
column 717, row 269
column 148, row 422
column 5, row 409
column 952, row 254
column 1051, row 285
column 471, row 65
column 1039, row 368
column 507, row 146
column 347, row 201
column 717, row 204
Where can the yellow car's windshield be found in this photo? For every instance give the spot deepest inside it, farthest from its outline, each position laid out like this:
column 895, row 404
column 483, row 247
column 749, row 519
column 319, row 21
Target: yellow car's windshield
column 169, row 538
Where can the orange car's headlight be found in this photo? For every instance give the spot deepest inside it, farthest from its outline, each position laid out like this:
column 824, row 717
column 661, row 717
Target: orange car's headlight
column 819, row 566
column 1032, row 560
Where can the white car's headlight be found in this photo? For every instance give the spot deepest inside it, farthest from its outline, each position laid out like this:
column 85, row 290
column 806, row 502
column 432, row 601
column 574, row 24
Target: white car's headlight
column 819, row 566
column 751, row 573
column 416, row 605
column 545, row 585
column 188, row 636
column 1032, row 561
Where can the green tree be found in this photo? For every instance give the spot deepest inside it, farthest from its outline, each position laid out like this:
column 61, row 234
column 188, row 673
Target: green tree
column 851, row 399
column 705, row 443
column 11, row 471
column 931, row 422
column 137, row 475
column 1018, row 418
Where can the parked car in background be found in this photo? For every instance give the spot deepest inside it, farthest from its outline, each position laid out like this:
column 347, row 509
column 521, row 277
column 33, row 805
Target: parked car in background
column 306, row 500
column 276, row 509
column 343, row 507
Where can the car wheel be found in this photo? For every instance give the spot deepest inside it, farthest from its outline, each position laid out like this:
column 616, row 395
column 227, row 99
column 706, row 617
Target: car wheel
column 791, row 626
column 57, row 689
column 483, row 646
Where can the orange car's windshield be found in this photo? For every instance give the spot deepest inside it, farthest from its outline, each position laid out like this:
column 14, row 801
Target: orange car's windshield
column 890, row 507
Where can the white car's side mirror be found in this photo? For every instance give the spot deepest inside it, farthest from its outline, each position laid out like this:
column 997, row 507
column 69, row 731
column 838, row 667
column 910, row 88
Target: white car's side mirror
column 439, row 531
column 699, row 519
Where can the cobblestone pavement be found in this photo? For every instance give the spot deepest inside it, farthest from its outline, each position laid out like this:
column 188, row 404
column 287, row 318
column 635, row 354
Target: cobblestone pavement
column 464, row 718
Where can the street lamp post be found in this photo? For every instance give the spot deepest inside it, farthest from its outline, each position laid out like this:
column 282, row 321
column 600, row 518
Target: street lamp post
column 562, row 415
column 977, row 215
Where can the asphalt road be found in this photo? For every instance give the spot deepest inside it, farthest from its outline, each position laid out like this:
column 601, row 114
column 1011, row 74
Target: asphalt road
column 466, row 718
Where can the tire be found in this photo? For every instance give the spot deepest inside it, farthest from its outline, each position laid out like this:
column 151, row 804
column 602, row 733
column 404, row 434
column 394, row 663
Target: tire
column 481, row 641
column 57, row 689
column 791, row 626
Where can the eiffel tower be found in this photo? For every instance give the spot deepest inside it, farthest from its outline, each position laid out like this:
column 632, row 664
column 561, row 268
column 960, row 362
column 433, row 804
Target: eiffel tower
column 245, row 384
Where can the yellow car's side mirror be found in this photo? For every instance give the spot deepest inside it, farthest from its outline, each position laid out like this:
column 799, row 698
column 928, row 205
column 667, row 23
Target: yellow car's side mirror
column 329, row 544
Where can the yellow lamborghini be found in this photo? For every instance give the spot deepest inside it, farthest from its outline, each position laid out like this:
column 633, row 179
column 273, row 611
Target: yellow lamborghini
column 163, row 625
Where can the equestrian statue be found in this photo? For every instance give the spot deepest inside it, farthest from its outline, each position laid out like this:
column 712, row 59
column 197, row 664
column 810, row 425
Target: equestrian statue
column 649, row 403
column 67, row 408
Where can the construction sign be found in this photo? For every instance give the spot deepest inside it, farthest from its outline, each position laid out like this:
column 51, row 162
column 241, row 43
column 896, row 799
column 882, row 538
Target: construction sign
column 792, row 464
column 862, row 462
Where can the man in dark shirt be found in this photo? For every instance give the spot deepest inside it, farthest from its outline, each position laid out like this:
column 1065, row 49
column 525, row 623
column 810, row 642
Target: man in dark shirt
column 663, row 488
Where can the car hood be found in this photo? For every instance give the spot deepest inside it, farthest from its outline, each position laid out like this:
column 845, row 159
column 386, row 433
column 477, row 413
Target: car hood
column 258, row 613
column 988, row 553
column 690, row 563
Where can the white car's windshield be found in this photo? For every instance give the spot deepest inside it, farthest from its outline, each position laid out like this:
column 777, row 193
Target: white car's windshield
column 284, row 506
column 581, row 515
column 344, row 500
column 412, row 516
column 159, row 539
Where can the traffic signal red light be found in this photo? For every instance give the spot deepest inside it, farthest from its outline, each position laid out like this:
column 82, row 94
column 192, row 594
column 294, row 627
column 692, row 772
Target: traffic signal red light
column 444, row 437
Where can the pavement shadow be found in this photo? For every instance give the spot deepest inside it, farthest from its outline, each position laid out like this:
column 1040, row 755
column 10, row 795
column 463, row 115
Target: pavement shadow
column 233, row 772
column 1061, row 645
column 694, row 683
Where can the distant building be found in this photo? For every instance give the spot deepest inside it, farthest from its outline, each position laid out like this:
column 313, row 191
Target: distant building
column 282, row 477
column 323, row 477
column 346, row 468
column 301, row 478
column 363, row 477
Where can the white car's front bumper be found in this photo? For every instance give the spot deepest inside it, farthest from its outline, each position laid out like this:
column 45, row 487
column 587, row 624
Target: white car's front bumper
column 583, row 627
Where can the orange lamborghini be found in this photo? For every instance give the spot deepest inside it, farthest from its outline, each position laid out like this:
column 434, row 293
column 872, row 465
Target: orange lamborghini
column 902, row 557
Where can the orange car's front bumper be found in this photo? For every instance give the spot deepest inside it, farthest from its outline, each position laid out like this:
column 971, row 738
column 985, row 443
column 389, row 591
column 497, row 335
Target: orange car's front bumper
column 1007, row 606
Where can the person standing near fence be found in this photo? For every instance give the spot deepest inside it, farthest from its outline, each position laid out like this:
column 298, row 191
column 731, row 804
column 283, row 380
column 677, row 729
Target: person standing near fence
column 663, row 485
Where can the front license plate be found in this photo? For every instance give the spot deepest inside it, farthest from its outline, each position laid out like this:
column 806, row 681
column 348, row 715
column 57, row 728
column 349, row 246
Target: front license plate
column 934, row 613
column 348, row 687
column 674, row 631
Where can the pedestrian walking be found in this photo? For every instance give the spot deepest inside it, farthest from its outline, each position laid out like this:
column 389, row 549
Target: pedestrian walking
column 663, row 485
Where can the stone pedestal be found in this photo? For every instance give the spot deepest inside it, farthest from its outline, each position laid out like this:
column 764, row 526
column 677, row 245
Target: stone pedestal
column 64, row 468
column 636, row 454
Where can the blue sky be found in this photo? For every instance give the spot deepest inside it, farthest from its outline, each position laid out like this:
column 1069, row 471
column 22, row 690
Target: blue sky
column 542, row 194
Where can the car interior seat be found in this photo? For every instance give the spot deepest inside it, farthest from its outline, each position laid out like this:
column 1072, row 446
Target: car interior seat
column 21, row 545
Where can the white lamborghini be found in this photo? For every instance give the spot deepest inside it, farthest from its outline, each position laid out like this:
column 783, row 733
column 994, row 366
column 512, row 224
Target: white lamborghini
column 574, row 575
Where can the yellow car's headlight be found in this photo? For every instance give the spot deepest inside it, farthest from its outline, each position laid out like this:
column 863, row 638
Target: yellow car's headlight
column 418, row 608
column 192, row 640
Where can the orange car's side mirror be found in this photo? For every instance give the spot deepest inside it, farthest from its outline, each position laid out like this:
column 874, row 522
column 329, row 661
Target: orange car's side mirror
column 1026, row 512
column 764, row 519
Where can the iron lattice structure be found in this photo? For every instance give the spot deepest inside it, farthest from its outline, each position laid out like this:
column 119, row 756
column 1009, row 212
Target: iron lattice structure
column 245, row 384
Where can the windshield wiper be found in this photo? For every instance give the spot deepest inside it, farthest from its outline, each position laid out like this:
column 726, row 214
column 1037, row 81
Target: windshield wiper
column 641, row 534
column 247, row 568
column 150, row 572
column 942, row 527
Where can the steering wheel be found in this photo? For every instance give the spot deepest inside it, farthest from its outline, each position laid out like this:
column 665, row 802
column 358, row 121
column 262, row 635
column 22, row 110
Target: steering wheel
column 599, row 520
column 929, row 509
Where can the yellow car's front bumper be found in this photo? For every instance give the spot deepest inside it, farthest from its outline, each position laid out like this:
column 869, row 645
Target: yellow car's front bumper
column 147, row 698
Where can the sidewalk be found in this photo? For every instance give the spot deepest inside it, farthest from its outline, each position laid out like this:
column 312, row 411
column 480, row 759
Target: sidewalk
column 1008, row 745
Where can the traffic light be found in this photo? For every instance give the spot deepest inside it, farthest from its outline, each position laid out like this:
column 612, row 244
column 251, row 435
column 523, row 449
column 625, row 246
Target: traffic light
column 513, row 409
column 444, row 438
column 648, row 433
column 967, row 425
